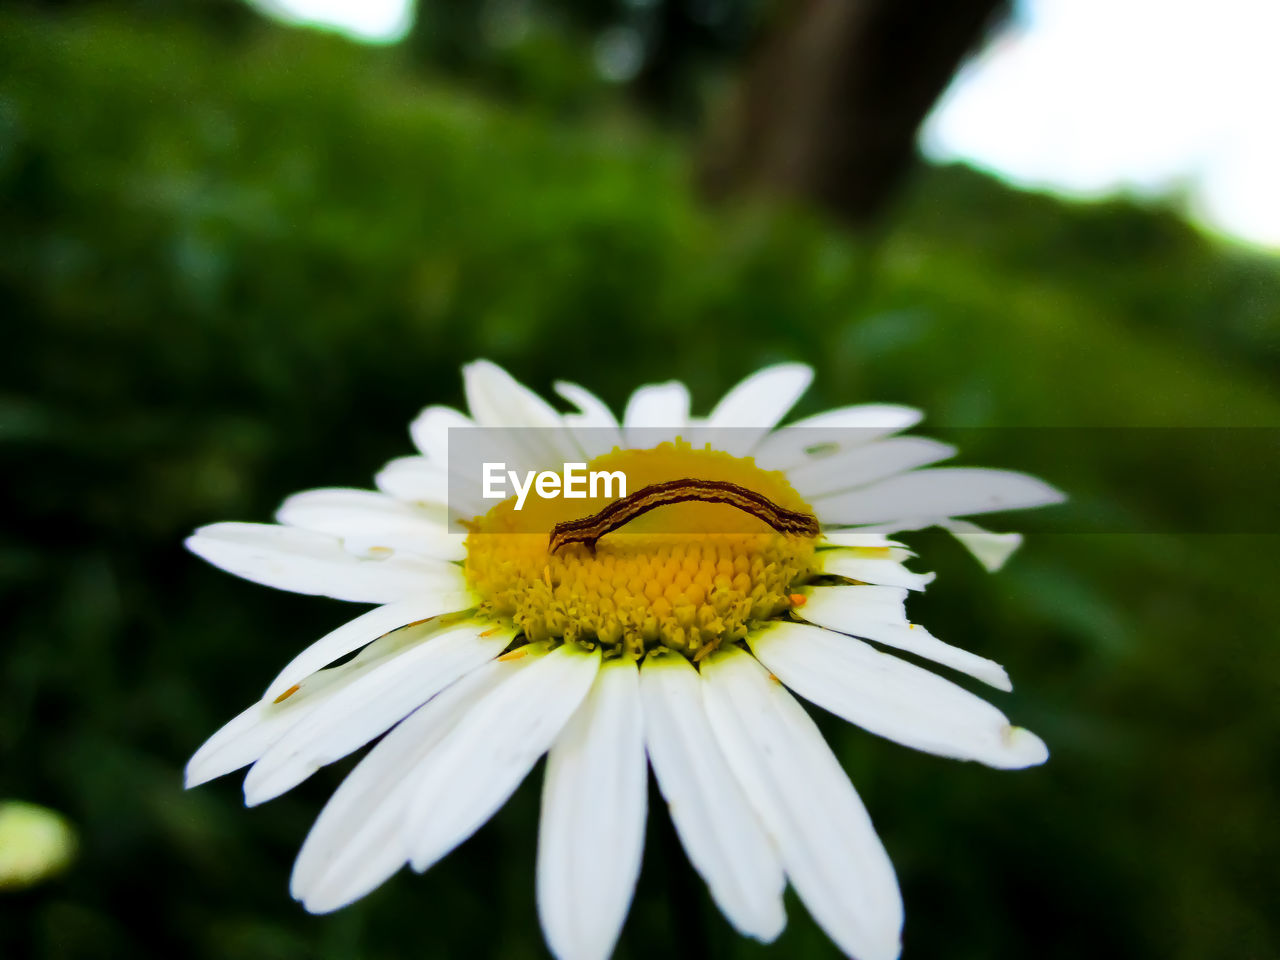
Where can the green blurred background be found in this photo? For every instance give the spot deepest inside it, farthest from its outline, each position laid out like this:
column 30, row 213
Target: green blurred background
column 235, row 260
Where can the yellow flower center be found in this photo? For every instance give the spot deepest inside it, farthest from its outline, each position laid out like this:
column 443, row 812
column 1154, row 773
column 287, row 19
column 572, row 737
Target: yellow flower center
column 686, row 576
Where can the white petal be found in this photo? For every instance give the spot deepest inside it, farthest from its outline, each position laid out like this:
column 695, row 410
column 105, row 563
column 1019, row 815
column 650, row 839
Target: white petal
column 593, row 411
column 426, row 484
column 857, row 538
column 497, row 399
column 430, row 431
column 252, row 732
column 455, row 448
column 725, row 841
column 358, row 841
column 655, row 412
column 832, row 431
column 364, row 629
column 414, row 480
column 990, row 549
column 482, row 760
column 937, row 492
column 875, row 418
column 444, row 436
column 315, row 563
column 753, row 407
column 258, row 729
column 893, row 698
column 591, row 833
column 873, row 603
column 249, row 734
column 370, row 704
column 829, row 848
column 594, row 426
column 877, row 613
column 856, row 564
column 763, row 398
column 866, row 464
column 366, row 520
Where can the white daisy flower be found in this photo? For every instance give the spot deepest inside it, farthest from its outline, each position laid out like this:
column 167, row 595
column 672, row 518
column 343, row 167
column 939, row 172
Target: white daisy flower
column 675, row 649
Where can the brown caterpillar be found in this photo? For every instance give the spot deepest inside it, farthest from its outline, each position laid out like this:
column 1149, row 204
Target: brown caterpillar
column 590, row 529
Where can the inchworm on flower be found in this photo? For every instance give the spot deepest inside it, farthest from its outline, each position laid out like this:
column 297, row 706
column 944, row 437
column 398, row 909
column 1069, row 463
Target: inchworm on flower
column 590, row 529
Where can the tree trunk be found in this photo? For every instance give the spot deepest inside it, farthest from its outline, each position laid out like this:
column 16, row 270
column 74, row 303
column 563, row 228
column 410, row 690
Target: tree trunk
column 830, row 104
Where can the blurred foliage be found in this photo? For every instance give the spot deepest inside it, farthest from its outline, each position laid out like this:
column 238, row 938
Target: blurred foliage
column 666, row 52
column 234, row 269
column 36, row 843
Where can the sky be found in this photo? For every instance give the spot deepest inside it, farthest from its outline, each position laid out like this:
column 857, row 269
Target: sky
column 1090, row 97
column 1082, row 97
column 376, row 21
